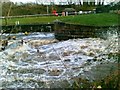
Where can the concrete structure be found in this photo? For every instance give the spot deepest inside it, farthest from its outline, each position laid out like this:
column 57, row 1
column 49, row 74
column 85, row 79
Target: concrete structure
column 69, row 11
column 64, row 31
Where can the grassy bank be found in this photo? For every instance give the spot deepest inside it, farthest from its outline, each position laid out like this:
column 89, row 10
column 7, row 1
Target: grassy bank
column 103, row 19
column 94, row 19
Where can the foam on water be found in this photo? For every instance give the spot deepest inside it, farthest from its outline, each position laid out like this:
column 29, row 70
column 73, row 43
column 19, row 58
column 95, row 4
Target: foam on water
column 22, row 65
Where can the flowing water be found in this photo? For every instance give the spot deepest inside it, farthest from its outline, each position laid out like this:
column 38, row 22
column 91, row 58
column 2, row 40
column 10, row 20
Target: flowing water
column 41, row 61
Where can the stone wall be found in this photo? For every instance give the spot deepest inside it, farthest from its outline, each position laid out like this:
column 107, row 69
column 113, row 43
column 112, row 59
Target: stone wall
column 28, row 28
column 69, row 31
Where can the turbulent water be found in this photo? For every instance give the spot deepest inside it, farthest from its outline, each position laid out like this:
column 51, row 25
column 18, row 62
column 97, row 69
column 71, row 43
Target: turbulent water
column 43, row 62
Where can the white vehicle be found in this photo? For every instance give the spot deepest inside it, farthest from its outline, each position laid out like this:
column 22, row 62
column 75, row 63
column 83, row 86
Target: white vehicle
column 80, row 12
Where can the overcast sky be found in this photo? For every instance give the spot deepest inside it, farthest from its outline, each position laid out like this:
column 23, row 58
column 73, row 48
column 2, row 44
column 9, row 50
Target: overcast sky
column 56, row 1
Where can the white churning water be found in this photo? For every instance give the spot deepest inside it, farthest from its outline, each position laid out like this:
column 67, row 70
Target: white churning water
column 44, row 59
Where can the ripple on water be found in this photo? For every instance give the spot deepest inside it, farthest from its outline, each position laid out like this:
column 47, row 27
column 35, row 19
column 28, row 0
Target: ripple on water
column 53, row 65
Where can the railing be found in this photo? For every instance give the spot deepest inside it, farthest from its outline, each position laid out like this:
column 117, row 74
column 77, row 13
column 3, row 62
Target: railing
column 23, row 16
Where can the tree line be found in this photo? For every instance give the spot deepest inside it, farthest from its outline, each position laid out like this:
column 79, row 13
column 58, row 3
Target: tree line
column 14, row 9
column 80, row 2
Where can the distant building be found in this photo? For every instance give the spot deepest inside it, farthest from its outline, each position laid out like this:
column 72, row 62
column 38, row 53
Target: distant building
column 68, row 11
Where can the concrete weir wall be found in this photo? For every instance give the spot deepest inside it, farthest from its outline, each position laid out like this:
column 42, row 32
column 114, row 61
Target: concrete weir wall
column 68, row 31
column 28, row 28
column 63, row 31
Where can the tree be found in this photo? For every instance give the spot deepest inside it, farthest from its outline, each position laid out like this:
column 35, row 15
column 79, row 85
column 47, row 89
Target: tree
column 92, row 2
column 103, row 2
column 85, row 2
column 68, row 1
column 80, row 2
column 100, row 2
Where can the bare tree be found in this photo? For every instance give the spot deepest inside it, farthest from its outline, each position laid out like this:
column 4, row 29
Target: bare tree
column 80, row 2
column 69, row 2
column 98, row 2
column 85, row 2
column 103, row 2
column 92, row 2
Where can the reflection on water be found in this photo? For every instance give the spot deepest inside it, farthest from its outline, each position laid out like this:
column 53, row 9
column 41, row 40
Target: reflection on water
column 42, row 61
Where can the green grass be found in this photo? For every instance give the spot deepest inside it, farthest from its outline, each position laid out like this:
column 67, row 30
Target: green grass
column 31, row 20
column 94, row 19
column 103, row 19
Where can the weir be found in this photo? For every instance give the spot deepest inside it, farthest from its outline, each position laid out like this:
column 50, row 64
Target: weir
column 63, row 31
column 28, row 28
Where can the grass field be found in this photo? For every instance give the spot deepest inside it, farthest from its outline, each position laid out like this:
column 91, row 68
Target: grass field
column 103, row 19
column 94, row 19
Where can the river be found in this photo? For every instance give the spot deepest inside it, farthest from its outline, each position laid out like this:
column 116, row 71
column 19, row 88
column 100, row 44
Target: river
column 41, row 61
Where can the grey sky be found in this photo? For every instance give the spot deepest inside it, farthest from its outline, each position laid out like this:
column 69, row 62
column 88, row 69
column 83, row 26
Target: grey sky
column 56, row 1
